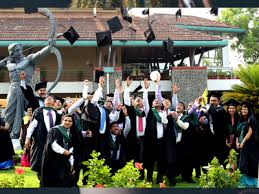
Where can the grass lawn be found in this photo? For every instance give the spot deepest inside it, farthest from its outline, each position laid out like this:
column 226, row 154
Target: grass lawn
column 31, row 180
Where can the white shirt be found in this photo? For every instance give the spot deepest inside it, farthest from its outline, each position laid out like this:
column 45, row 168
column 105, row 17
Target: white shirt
column 160, row 126
column 34, row 122
column 60, row 150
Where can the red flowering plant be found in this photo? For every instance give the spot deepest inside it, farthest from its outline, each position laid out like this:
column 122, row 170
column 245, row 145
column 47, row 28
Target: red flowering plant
column 15, row 181
column 19, row 177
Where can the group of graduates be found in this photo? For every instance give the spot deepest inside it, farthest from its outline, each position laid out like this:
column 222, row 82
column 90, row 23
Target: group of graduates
column 163, row 135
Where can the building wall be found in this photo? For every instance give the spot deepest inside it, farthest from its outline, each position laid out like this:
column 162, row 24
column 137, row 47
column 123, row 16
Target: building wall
column 192, row 81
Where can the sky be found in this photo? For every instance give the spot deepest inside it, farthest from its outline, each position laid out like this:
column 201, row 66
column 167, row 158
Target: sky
column 234, row 57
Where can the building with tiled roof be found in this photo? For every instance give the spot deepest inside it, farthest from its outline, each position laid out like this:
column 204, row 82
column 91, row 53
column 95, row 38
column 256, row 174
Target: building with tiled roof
column 191, row 35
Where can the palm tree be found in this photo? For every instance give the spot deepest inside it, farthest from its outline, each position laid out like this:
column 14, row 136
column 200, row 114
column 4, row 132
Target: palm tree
column 248, row 90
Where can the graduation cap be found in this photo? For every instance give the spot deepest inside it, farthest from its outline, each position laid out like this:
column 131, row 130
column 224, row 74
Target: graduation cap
column 98, row 74
column 114, row 24
column 214, row 11
column 249, row 105
column 178, row 14
column 145, row 11
column 30, row 8
column 110, row 95
column 149, row 34
column 232, row 102
column 215, row 94
column 62, row 100
column 135, row 91
column 169, row 46
column 71, row 35
column 125, row 16
column 40, row 85
column 104, row 38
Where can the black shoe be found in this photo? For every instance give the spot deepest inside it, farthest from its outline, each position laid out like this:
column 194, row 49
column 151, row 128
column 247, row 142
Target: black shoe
column 159, row 179
column 172, row 182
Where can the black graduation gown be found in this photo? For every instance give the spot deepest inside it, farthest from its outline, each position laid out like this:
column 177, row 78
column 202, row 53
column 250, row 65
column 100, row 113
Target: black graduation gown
column 249, row 154
column 132, row 146
column 185, row 149
column 153, row 148
column 114, row 146
column 170, row 148
column 33, row 101
column 56, row 169
column 219, row 121
column 38, row 139
column 6, row 146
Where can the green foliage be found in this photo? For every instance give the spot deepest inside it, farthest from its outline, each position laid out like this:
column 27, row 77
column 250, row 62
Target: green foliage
column 248, row 90
column 99, row 175
column 247, row 43
column 219, row 177
column 98, row 172
column 14, row 181
column 128, row 177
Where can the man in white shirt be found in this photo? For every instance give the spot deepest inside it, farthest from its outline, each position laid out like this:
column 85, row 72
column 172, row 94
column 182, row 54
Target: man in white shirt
column 44, row 118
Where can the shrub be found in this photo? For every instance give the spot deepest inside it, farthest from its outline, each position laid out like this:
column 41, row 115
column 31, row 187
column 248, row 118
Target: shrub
column 219, row 177
column 128, row 177
column 15, row 181
column 99, row 175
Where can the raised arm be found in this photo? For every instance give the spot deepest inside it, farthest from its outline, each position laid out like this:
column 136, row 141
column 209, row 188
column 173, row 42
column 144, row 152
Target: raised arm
column 3, row 62
column 116, row 99
column 145, row 96
column 175, row 89
column 126, row 94
column 35, row 57
column 99, row 92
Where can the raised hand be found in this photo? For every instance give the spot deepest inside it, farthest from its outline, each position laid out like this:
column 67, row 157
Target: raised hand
column 101, row 81
column 175, row 88
column 125, row 111
column 146, row 83
column 128, row 81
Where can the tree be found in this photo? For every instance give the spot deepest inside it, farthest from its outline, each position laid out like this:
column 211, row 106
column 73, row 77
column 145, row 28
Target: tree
column 247, row 43
column 248, row 90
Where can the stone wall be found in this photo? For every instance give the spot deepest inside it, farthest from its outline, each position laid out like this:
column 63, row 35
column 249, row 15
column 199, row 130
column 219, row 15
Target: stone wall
column 192, row 81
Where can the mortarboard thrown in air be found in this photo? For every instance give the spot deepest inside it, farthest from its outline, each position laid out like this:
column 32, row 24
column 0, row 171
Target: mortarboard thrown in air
column 30, row 7
column 135, row 91
column 169, row 46
column 149, row 34
column 232, row 102
column 114, row 24
column 110, row 95
column 98, row 74
column 125, row 16
column 104, row 38
column 40, row 85
column 71, row 35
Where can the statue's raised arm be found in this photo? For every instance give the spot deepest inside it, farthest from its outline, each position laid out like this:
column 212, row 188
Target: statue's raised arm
column 17, row 63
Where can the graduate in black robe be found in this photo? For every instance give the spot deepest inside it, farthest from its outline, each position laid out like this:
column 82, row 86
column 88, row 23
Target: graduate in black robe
column 35, row 101
column 217, row 119
column 154, row 141
column 247, row 143
column 38, row 130
column 57, row 160
column 6, row 147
